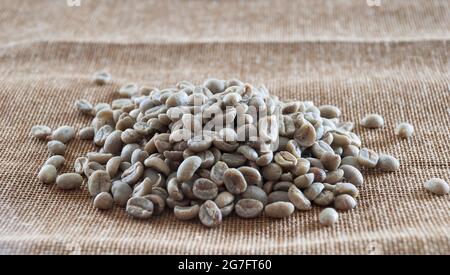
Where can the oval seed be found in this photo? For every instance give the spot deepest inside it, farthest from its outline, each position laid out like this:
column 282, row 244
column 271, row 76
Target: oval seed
column 328, row 217
column 304, row 181
column 223, row 199
column 372, row 121
column 133, row 174
column 330, row 161
column 305, row 135
column 64, row 134
column 248, row 208
column 101, row 158
column 217, row 172
column 112, row 166
column 346, row 188
column 344, row 202
column 256, row 193
column 367, row 158
column 101, row 78
column 139, row 207
column 329, row 111
column 437, row 186
column 298, row 199
column 87, row 133
column 205, row 189
column 251, row 175
column 128, row 90
column 209, row 214
column 272, row 172
column 185, row 213
column 56, row 160
column 286, row 160
column 47, row 174
column 80, row 164
column 103, row 201
column 314, row 190
column 56, row 148
column 99, row 182
column 41, row 131
column 188, row 167
column 234, row 181
column 69, row 181
column 279, row 209
column 352, row 175
column 121, row 192
column 113, row 143
column 404, row 130
column 325, row 198
column 388, row 163
column 158, row 203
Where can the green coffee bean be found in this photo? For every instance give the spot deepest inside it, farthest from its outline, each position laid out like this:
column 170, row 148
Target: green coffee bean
column 279, row 209
column 248, row 208
column 372, row 121
column 56, row 160
column 209, row 214
column 388, row 163
column 103, row 201
column 437, row 186
column 328, row 217
column 69, row 181
column 101, row 78
column 139, row 207
column 64, row 134
column 404, row 130
column 41, row 131
column 47, row 174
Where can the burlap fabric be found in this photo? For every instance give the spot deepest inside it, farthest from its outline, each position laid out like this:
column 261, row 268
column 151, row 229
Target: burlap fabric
column 392, row 59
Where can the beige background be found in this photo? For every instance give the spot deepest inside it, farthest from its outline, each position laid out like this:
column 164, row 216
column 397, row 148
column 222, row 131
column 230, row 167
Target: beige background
column 392, row 59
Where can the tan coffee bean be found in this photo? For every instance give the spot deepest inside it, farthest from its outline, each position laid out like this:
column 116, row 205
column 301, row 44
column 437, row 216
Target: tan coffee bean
column 101, row 158
column 209, row 214
column 199, row 145
column 325, row 198
column 84, row 107
column 157, row 164
column 139, row 207
column 248, row 152
column 138, row 156
column 315, row 163
column 234, row 181
column 101, row 106
column 334, row 176
column 69, row 181
column 352, row 175
column 205, row 189
column 174, row 189
column 305, row 135
column 121, row 192
column 87, row 133
column 56, row 160
column 330, row 161
column 227, row 210
column 319, row 174
column 298, row 199
column 344, row 202
column 313, row 191
column 340, row 139
column 251, row 175
column 129, row 90
column 101, row 78
column 350, row 150
column 56, row 148
column 248, row 208
column 282, row 186
column 102, row 134
column 367, row 158
column 47, row 174
column 233, row 160
column 133, row 174
column 188, row 167
column 287, row 177
column 158, row 203
column 404, row 130
column 320, row 148
column 207, row 159
column 256, row 193
column 64, row 134
column 346, row 188
column 215, row 85
column 272, row 172
column 388, row 163
column 99, row 182
column 185, row 213
column 264, row 159
column 127, row 151
column 112, row 166
column 329, row 111
column 328, row 217
column 171, row 202
column 223, row 199
column 275, row 196
column 129, row 136
column 217, row 172
column 279, row 209
column 286, row 160
column 113, row 143
column 91, row 167
column 437, row 186
column 103, row 201
column 41, row 131
column 143, row 188
column 79, row 165
column 352, row 161
column 304, row 181
column 372, row 121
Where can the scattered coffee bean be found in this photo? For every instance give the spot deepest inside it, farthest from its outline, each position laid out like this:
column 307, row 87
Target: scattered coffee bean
column 121, row 192
column 69, row 181
column 185, row 213
column 248, row 208
column 103, row 201
column 404, row 130
column 344, row 202
column 101, row 78
column 388, row 163
column 209, row 214
column 99, row 182
column 328, row 217
column 139, row 207
column 188, row 167
column 47, row 174
column 87, row 133
column 372, row 121
column 298, row 199
column 279, row 209
column 64, row 134
column 56, row 160
column 41, row 131
column 234, row 181
column 56, row 148
column 367, row 158
column 437, row 186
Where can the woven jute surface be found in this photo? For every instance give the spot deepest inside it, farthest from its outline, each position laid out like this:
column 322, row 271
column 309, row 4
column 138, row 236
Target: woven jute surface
column 392, row 59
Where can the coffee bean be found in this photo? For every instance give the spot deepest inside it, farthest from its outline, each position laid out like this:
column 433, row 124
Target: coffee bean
column 121, row 192
column 330, row 161
column 234, row 181
column 56, row 148
column 217, row 172
column 325, row 198
column 139, row 207
column 256, row 193
column 404, row 130
column 388, row 163
column 209, row 214
column 91, row 167
column 41, row 131
column 302, row 168
column 437, row 186
column 79, row 165
column 69, row 181
column 103, row 201
column 113, row 143
column 112, row 166
column 157, row 164
column 278, row 196
column 367, row 158
column 158, row 203
column 313, row 191
column 328, row 217
column 272, row 172
column 56, row 160
column 128, row 90
column 346, row 188
column 188, row 167
column 279, row 209
column 248, row 152
column 298, row 199
column 185, row 213
column 102, row 134
column 101, row 78
column 372, row 121
column 84, row 107
column 352, row 175
column 319, row 174
column 334, row 176
column 133, row 174
column 282, row 186
column 99, row 182
column 223, row 199
column 64, row 134
column 87, row 133
column 251, row 175
column 205, row 189
column 101, row 158
column 352, row 161
column 304, row 181
column 248, row 208
column 47, row 174
column 329, row 111
column 344, row 202
column 233, row 160
column 305, row 135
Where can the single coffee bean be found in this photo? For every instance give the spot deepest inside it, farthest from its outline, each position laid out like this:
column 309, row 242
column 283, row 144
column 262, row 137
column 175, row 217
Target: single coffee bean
column 101, row 78
column 282, row 186
column 279, row 209
column 233, row 160
column 352, row 161
column 248, row 152
column 128, row 90
column 56, row 160
column 112, row 166
column 69, row 181
column 305, row 135
column 64, row 134
column 227, row 210
column 133, row 174
column 404, row 130
column 41, row 131
column 319, row 174
column 325, row 198
column 277, row 196
column 47, row 174
column 334, row 176
column 185, row 213
column 87, row 133
column 298, row 199
column 84, row 107
column 313, row 191
column 352, row 175
column 437, row 186
column 209, row 214
column 286, row 160
column 91, row 167
column 329, row 111
column 328, row 217
column 346, row 188
column 143, row 188
column 101, row 158
column 330, row 161
column 138, row 156
column 251, row 175
column 79, row 165
column 205, row 189
column 217, row 172
column 350, row 150
column 234, row 181
column 99, row 182
column 304, row 181
column 102, row 134
column 157, row 164
column 188, row 167
column 248, row 208
column 158, row 203
column 139, row 207
column 388, row 163
column 344, row 202
column 121, row 192
column 272, row 172
column 56, row 148
column 316, row 163
column 256, row 193
column 367, row 158
column 103, row 201
column 372, row 121
column 302, row 167
column 113, row 143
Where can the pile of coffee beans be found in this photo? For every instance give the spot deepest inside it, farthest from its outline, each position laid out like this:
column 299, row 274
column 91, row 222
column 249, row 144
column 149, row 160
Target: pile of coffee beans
column 207, row 151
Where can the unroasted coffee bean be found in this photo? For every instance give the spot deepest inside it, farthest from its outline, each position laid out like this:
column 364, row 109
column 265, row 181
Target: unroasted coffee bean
column 302, row 167
column 325, row 198
column 102, row 134
column 272, row 172
column 113, row 143
column 298, row 199
column 209, row 214
column 91, row 167
column 352, row 161
column 47, row 174
column 133, row 174
column 367, row 158
column 217, row 172
column 205, row 189
column 143, row 188
column 130, row 136
column 388, row 163
column 305, row 135
column 372, row 121
column 279, row 209
column 56, row 160
column 158, row 203
column 112, row 166
column 256, row 193
column 248, row 208
column 157, row 164
column 121, row 192
column 101, row 78
column 139, row 207
column 328, row 217
column 282, row 186
column 304, row 181
column 278, row 196
column 404, row 130
column 79, row 165
column 319, row 174
column 69, row 181
column 344, row 202
column 346, row 188
column 330, row 161
column 248, row 152
column 103, row 201
column 329, row 111
column 185, row 213
column 188, row 167
column 313, row 191
column 227, row 210
column 99, row 182
column 41, row 131
column 128, row 90
column 437, row 186
column 84, row 107
column 251, row 175
column 234, row 181
column 223, row 199
column 334, row 176
column 350, row 150
column 56, row 148
column 233, row 160
column 138, row 156
column 286, row 160
column 352, row 175
column 87, row 133
column 101, row 158
column 64, row 134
